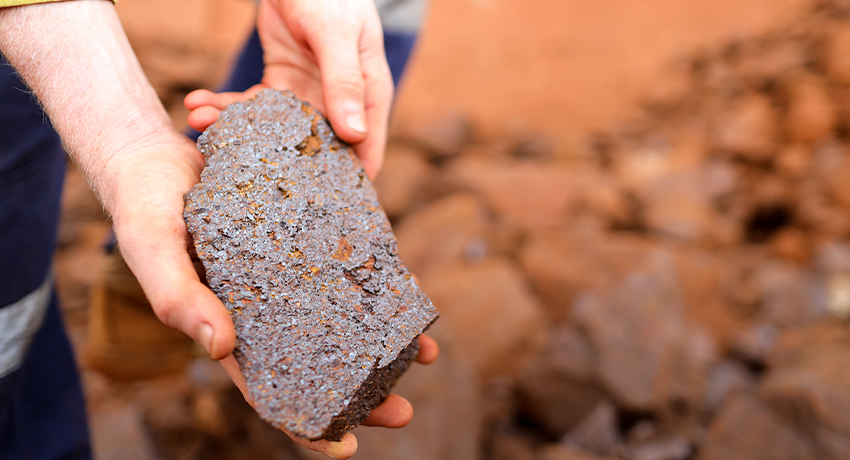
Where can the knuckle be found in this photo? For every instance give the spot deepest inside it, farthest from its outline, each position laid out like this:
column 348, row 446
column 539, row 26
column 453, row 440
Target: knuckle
column 167, row 310
column 348, row 83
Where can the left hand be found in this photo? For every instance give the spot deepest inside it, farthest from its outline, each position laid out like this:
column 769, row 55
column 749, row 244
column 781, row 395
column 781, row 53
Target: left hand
column 329, row 53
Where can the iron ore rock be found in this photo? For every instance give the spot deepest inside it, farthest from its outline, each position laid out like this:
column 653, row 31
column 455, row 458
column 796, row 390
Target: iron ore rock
column 295, row 244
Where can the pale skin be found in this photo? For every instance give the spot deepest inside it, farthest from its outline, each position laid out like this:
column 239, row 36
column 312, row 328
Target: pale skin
column 76, row 58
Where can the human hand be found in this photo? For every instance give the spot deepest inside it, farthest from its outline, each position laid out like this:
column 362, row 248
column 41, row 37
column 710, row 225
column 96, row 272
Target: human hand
column 329, row 53
column 394, row 412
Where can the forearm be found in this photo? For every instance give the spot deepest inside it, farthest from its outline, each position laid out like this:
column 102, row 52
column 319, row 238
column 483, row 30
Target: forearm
column 77, row 60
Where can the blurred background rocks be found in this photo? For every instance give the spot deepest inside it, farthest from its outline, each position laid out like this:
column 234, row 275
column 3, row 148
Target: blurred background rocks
column 669, row 280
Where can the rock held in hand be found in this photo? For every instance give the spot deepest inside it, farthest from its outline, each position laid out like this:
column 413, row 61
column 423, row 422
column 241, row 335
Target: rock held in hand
column 296, row 246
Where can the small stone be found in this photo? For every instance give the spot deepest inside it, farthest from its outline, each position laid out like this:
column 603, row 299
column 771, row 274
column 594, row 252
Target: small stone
column 788, row 297
column 747, row 428
column 442, row 232
column 560, row 264
column 442, row 137
column 493, row 289
column 557, row 389
column 811, row 115
column 642, row 432
column 562, row 452
column 754, row 344
column 794, row 160
column 762, row 61
column 598, row 432
column 837, row 55
column 649, row 354
column 749, row 129
column 679, row 206
column 666, row 449
column 726, row 379
column 791, row 244
column 511, row 446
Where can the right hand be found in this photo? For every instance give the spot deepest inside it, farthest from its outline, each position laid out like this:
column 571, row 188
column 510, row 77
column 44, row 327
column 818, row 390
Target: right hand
column 329, row 53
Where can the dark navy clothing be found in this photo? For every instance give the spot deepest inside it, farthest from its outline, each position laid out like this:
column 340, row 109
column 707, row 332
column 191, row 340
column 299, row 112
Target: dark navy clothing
column 32, row 170
column 42, row 412
column 398, row 46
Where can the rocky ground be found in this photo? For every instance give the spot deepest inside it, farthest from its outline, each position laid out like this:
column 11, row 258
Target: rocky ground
column 675, row 288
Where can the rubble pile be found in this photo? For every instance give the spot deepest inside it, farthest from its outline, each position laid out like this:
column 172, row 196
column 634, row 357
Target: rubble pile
column 677, row 290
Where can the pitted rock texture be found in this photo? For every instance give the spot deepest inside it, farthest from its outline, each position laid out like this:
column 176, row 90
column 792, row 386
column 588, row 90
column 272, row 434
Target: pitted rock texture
column 295, row 244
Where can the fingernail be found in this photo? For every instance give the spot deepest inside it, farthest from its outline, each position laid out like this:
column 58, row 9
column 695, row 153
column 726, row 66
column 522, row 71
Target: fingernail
column 205, row 337
column 356, row 122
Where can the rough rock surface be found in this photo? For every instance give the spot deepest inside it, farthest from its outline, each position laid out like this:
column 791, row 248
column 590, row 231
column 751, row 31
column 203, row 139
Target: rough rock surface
column 297, row 247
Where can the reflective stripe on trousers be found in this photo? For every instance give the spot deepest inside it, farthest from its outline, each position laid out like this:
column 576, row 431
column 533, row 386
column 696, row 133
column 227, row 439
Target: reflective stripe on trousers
column 18, row 324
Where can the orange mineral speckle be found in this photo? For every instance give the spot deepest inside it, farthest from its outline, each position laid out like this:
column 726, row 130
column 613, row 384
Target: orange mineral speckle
column 343, row 250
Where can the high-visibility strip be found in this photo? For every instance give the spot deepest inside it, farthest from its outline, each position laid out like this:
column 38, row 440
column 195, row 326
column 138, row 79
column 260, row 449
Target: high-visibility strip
column 5, row 3
column 402, row 15
column 19, row 323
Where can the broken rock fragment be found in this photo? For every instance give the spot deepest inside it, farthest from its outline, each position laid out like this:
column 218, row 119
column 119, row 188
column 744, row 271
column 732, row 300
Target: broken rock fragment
column 296, row 246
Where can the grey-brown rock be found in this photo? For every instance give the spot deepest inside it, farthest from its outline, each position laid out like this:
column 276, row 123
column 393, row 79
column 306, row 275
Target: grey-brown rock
column 811, row 115
column 562, row 452
column 560, row 264
column 443, row 136
column 837, row 55
column 679, row 206
column 295, row 245
column 512, row 446
column 599, row 432
column 726, row 379
column 557, row 389
column 675, row 448
column 749, row 129
column 760, row 62
column 442, row 232
column 748, row 429
column 648, row 351
column 491, row 289
column 808, row 385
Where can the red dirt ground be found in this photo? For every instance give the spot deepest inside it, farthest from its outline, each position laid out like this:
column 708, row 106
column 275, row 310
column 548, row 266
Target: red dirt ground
column 562, row 67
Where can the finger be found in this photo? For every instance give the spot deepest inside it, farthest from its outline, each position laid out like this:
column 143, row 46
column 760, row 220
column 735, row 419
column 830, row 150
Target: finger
column 205, row 106
column 394, row 412
column 202, row 117
column 342, row 449
column 343, row 87
column 378, row 102
column 203, row 97
column 428, row 350
column 154, row 245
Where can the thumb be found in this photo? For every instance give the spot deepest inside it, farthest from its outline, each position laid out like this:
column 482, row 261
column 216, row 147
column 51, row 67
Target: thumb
column 343, row 86
column 153, row 244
